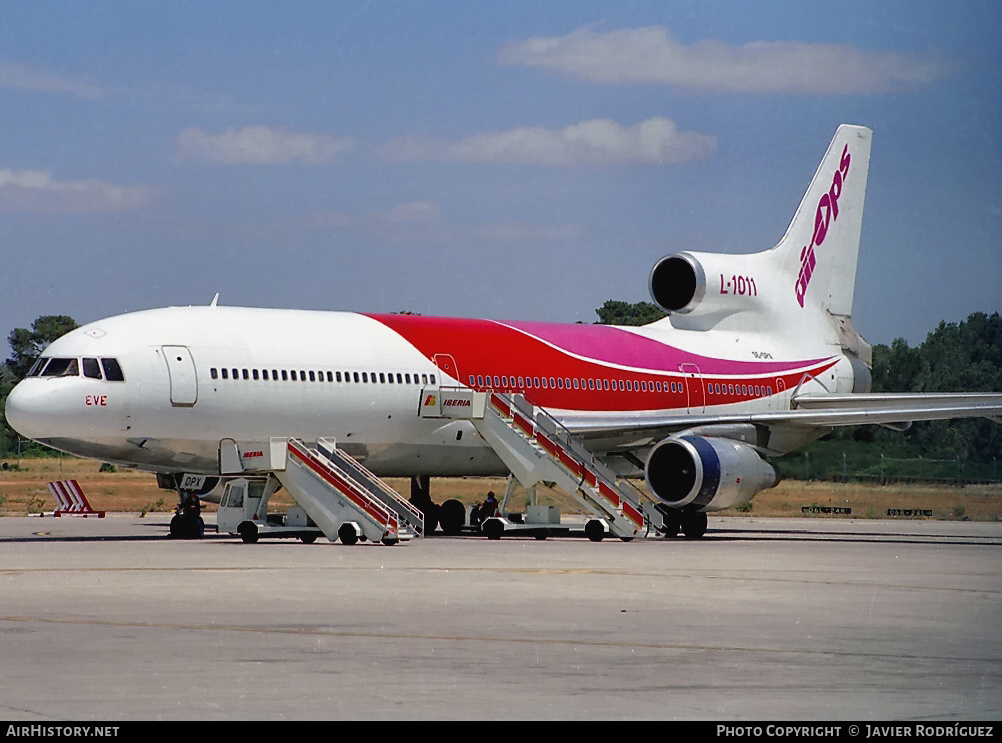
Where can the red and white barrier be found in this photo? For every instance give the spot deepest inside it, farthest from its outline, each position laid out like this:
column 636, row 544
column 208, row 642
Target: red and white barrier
column 71, row 499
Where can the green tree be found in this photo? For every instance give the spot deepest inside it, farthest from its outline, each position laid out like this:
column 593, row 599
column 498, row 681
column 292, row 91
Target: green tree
column 27, row 345
column 615, row 312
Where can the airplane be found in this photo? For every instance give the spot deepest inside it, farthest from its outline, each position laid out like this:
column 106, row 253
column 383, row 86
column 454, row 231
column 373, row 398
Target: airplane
column 757, row 357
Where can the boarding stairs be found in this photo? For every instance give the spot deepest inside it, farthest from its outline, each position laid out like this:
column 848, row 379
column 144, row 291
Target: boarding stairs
column 537, row 448
column 342, row 497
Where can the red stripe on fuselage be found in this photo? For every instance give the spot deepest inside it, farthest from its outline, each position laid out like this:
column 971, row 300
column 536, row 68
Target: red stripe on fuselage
column 489, row 350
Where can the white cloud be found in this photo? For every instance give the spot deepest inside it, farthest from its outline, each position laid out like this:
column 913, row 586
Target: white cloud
column 24, row 78
column 651, row 55
column 260, row 145
column 36, row 191
column 597, row 142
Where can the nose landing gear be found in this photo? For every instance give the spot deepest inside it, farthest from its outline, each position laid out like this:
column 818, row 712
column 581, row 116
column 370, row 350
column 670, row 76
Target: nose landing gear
column 187, row 522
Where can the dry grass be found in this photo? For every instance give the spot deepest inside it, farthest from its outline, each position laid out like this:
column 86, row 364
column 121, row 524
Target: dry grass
column 24, row 491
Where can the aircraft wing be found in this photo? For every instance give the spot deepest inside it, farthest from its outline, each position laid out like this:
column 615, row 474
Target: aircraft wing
column 809, row 411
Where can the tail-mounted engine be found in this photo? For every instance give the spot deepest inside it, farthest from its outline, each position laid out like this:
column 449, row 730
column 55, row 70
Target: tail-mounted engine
column 706, row 474
column 707, row 285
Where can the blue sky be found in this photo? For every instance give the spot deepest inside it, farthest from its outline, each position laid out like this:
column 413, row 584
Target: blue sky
column 515, row 160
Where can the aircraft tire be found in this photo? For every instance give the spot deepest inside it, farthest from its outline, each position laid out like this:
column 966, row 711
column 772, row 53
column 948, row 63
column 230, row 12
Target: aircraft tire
column 694, row 525
column 673, row 524
column 185, row 527
column 308, row 539
column 452, row 517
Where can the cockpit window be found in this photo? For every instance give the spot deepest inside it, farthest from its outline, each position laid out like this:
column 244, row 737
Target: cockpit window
column 112, row 370
column 36, row 368
column 61, row 368
column 91, row 369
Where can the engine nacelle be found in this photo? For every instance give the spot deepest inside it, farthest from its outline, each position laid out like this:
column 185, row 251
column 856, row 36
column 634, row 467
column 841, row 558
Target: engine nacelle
column 715, row 284
column 706, row 474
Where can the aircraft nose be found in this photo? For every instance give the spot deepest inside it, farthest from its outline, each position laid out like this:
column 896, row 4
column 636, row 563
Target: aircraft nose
column 26, row 411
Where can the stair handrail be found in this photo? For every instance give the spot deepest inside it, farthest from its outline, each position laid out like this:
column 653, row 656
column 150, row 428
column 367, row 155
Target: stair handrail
column 369, row 476
column 315, row 456
column 573, row 447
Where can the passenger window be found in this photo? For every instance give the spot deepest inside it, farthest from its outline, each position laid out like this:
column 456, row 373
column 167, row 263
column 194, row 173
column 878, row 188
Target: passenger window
column 400, row 378
column 382, row 378
column 92, row 369
column 212, row 372
column 313, row 376
column 112, row 371
column 254, row 374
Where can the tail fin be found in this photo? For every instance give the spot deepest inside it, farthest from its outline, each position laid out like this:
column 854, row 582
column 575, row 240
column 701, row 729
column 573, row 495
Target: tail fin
column 819, row 250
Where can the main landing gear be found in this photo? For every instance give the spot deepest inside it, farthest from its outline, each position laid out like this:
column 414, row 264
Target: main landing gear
column 692, row 524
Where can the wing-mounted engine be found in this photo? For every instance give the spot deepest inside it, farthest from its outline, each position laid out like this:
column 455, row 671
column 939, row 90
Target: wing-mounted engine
column 700, row 289
column 706, row 474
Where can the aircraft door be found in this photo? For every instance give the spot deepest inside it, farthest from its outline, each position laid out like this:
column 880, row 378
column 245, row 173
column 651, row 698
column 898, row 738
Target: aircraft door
column 447, row 364
column 694, row 388
column 181, row 370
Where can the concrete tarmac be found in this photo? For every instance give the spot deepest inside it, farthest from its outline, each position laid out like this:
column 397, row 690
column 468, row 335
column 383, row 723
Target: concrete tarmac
column 799, row 619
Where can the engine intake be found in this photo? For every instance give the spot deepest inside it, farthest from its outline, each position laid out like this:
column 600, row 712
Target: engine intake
column 677, row 283
column 706, row 474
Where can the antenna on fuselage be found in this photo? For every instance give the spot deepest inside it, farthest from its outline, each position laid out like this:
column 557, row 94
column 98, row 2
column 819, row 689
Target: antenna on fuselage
column 214, row 300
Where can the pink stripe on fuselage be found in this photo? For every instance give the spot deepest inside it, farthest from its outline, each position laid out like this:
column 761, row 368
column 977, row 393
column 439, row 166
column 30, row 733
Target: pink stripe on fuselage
column 612, row 345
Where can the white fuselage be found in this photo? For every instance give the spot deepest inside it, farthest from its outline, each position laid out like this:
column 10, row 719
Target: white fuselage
column 196, row 375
